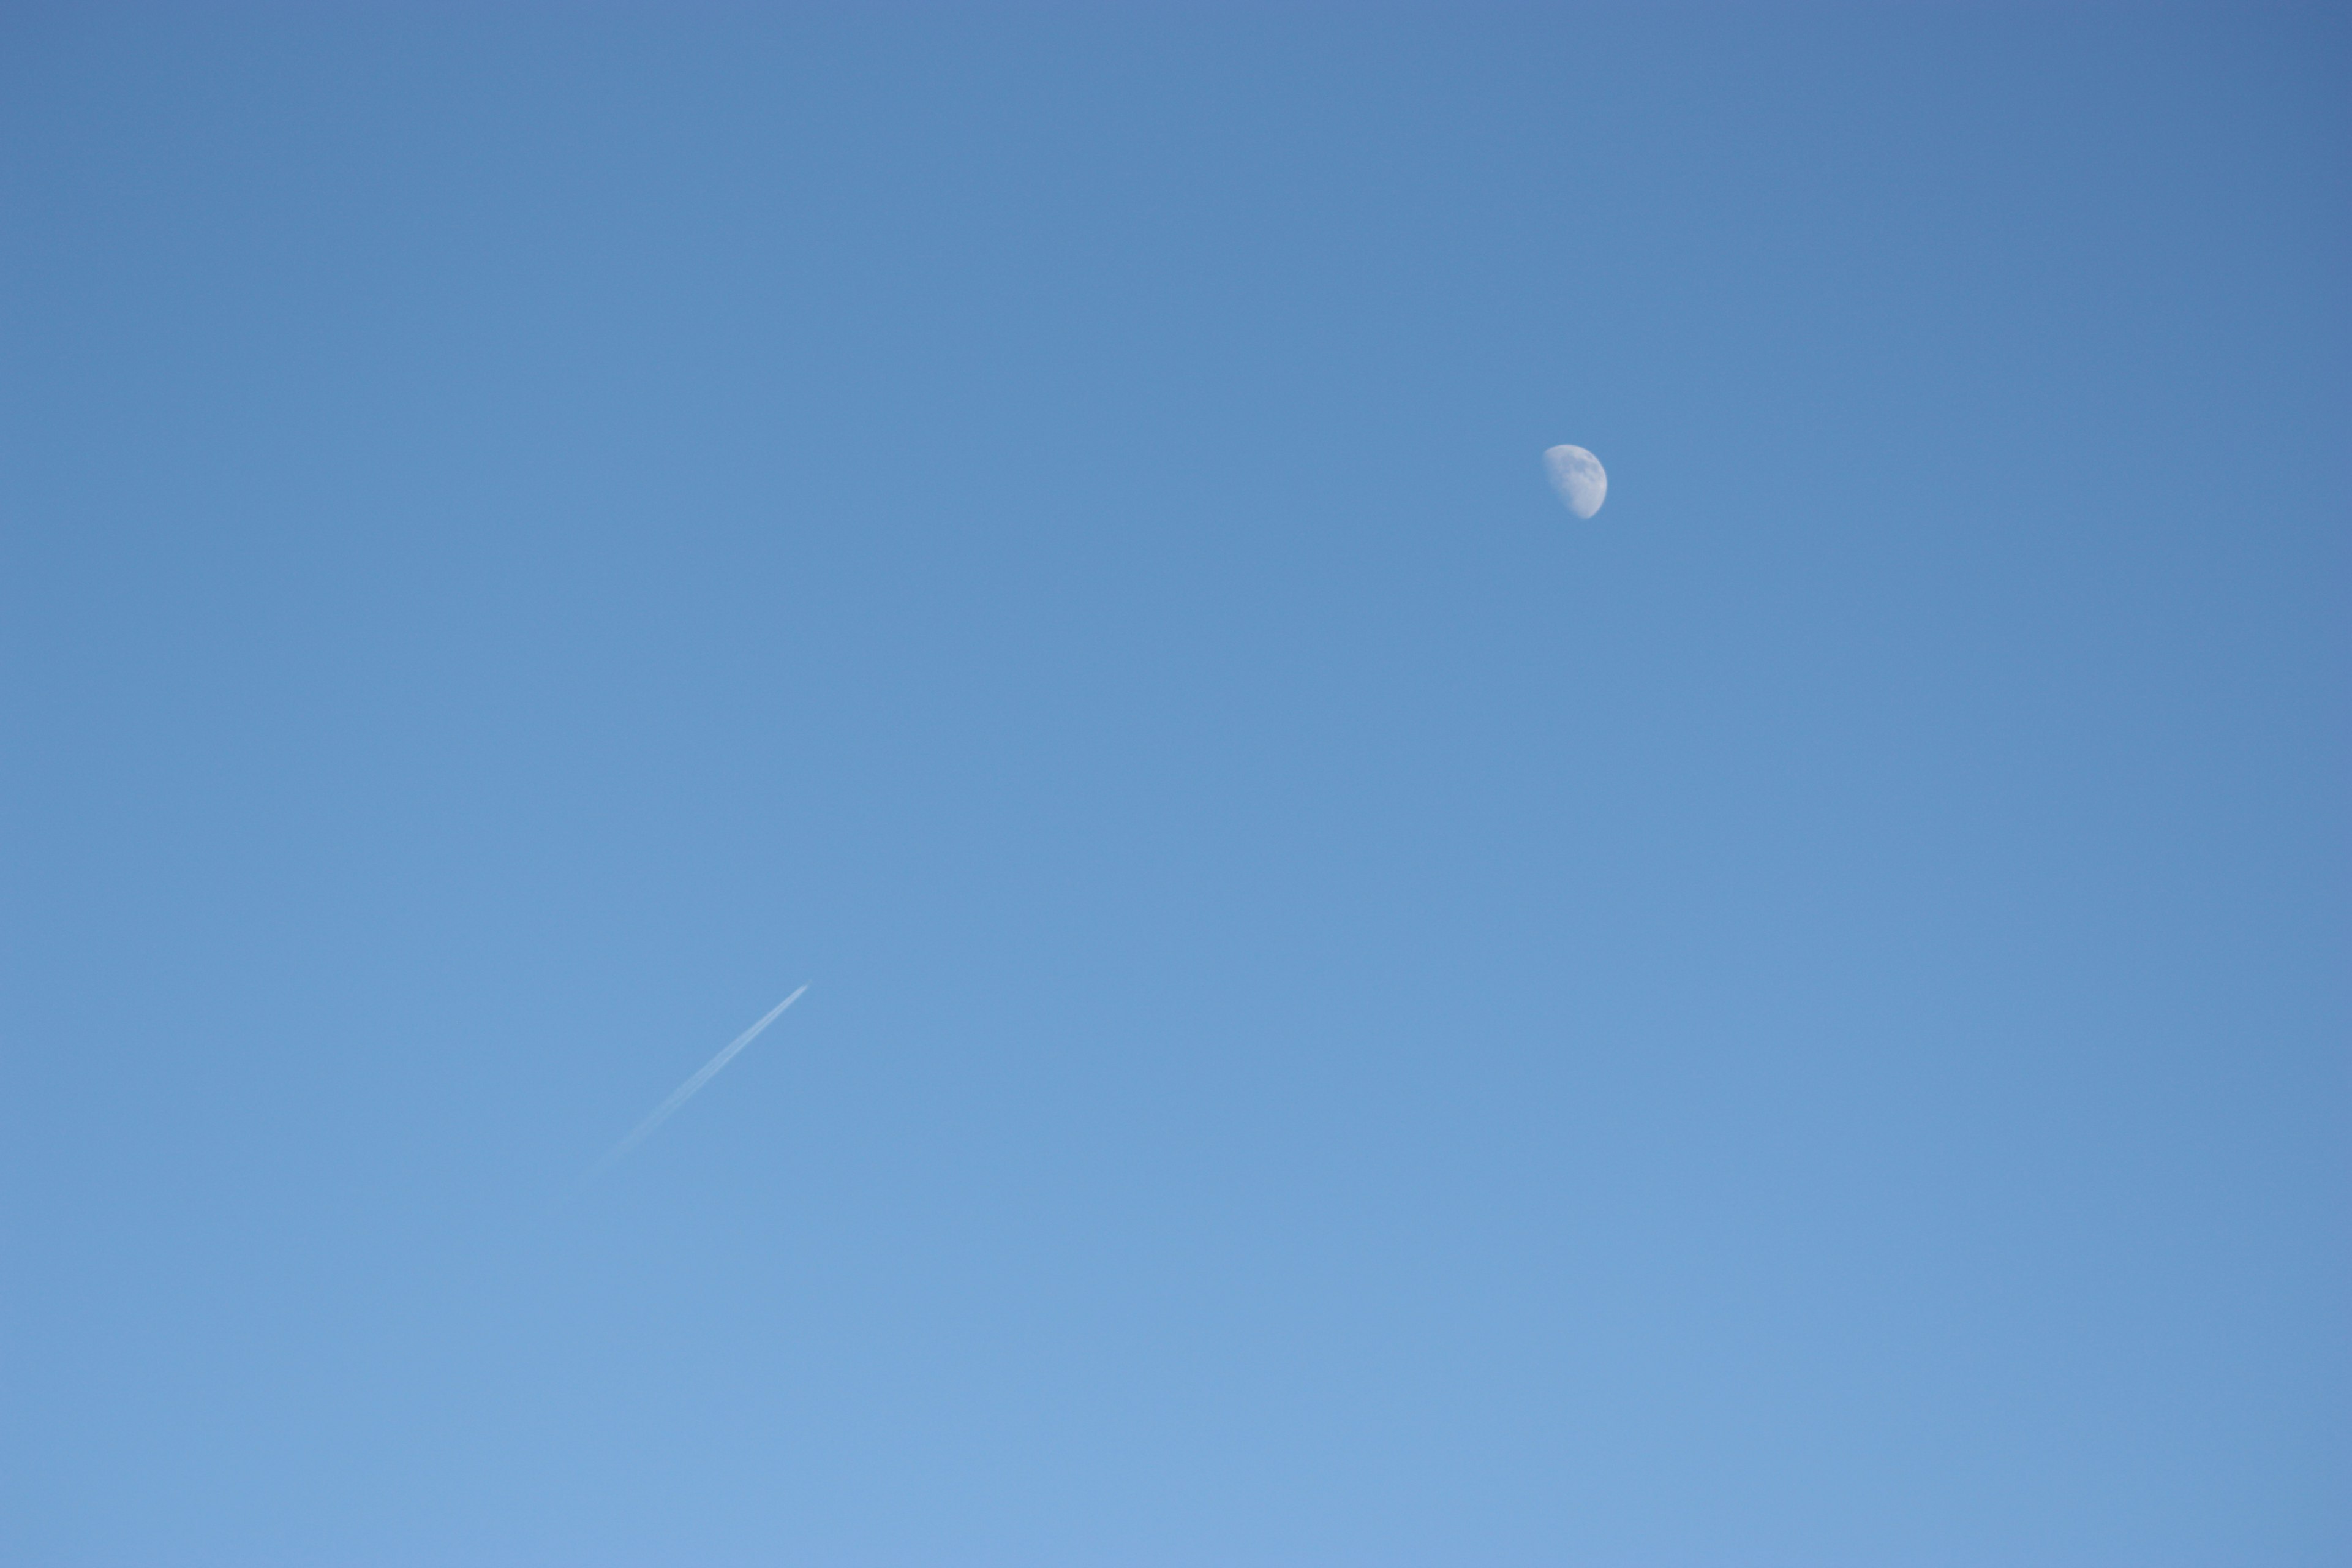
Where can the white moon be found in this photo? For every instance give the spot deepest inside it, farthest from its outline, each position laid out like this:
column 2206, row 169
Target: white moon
column 1578, row 478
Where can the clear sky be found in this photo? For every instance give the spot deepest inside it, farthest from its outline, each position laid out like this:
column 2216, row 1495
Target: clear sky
column 1353, row 1018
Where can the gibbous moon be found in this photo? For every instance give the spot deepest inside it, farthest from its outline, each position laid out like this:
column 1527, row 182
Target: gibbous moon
column 1578, row 478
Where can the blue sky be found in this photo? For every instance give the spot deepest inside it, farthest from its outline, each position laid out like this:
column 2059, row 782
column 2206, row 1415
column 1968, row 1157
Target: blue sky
column 1353, row 1018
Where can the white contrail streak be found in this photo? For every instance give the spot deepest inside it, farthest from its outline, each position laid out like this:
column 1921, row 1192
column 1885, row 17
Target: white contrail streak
column 684, row 1092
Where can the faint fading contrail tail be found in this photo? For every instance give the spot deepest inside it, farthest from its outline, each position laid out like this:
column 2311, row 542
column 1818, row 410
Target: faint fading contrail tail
column 684, row 1092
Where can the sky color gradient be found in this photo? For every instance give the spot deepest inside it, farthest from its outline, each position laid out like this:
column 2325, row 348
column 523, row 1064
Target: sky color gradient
column 1353, row 1018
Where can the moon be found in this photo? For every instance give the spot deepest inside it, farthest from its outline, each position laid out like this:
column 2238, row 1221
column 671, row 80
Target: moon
column 1578, row 478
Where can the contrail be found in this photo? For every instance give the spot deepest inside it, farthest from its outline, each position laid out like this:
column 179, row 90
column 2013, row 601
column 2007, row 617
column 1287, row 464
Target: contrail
column 684, row 1092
